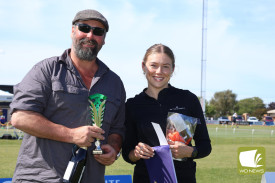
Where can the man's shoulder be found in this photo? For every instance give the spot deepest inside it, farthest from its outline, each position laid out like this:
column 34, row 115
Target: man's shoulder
column 113, row 74
column 105, row 70
column 113, row 77
column 53, row 60
column 49, row 62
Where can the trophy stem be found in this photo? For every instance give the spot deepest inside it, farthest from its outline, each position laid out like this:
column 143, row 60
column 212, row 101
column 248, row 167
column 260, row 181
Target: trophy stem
column 97, row 149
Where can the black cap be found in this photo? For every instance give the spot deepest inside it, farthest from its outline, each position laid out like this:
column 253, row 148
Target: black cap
column 91, row 15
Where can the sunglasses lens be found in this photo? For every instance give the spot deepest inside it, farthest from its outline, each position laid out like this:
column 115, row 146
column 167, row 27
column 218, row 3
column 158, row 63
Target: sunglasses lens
column 98, row 31
column 86, row 29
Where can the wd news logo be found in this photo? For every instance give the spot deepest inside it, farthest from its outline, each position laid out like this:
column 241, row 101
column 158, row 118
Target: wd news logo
column 251, row 160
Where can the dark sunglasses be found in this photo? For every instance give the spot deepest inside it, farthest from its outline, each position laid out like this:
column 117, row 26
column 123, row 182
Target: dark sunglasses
column 86, row 29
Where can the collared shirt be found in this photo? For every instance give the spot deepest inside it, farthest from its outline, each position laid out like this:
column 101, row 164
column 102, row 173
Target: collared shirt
column 54, row 88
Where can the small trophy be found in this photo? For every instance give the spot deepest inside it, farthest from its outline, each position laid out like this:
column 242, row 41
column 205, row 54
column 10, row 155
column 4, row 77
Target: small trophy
column 97, row 106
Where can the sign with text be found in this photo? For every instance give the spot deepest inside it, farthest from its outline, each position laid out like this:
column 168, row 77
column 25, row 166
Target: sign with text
column 118, row 179
column 251, row 160
column 108, row 179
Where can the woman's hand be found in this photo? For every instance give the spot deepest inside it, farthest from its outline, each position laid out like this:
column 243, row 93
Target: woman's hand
column 180, row 150
column 141, row 151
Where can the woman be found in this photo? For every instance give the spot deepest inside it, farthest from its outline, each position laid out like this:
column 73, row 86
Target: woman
column 153, row 105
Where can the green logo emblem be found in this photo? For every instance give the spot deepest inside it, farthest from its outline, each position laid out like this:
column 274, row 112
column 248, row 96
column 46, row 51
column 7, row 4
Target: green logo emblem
column 251, row 160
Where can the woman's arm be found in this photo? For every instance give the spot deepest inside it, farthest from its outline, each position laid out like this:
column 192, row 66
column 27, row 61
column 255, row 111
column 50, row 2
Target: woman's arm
column 201, row 136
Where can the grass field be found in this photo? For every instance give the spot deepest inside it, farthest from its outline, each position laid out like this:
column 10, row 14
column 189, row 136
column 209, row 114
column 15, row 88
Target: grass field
column 219, row 167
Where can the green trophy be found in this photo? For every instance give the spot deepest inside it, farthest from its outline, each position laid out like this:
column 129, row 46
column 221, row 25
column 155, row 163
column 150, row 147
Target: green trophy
column 97, row 105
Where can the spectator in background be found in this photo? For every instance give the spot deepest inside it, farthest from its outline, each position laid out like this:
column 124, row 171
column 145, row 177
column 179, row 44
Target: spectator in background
column 3, row 119
column 234, row 120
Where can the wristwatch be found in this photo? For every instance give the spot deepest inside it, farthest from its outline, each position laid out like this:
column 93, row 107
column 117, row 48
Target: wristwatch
column 118, row 155
column 195, row 152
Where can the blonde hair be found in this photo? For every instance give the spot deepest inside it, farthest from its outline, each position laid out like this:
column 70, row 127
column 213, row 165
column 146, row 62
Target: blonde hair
column 160, row 48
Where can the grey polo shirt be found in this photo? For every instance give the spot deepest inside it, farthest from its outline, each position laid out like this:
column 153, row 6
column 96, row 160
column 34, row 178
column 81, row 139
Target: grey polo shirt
column 54, row 88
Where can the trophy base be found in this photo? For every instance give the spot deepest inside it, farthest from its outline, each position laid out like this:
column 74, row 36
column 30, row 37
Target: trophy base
column 97, row 152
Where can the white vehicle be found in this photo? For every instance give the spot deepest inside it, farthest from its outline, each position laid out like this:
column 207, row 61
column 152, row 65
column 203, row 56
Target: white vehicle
column 223, row 120
column 252, row 119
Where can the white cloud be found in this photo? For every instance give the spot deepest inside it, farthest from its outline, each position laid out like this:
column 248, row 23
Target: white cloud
column 2, row 51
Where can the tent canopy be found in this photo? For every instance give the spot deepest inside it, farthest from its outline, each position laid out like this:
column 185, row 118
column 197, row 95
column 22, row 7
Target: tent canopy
column 5, row 96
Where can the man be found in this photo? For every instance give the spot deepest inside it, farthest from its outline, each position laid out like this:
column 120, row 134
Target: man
column 51, row 106
column 234, row 120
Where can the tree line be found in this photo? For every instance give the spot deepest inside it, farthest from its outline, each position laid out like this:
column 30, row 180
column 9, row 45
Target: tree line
column 224, row 103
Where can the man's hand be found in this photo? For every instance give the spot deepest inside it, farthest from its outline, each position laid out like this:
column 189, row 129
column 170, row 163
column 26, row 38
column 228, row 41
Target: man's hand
column 108, row 157
column 110, row 150
column 84, row 136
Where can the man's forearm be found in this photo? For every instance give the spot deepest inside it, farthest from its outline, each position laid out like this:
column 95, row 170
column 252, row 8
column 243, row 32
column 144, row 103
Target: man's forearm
column 37, row 125
column 115, row 140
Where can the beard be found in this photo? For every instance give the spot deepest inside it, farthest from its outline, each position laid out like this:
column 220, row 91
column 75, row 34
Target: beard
column 83, row 53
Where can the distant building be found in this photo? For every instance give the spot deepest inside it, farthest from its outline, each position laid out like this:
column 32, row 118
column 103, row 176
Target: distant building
column 271, row 113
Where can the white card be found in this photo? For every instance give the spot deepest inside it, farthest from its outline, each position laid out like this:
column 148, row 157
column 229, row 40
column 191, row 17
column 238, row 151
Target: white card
column 68, row 170
column 161, row 137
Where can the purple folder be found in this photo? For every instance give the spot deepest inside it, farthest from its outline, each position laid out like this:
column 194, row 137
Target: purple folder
column 161, row 167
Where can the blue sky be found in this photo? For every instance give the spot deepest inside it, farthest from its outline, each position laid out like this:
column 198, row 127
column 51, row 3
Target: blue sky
column 240, row 40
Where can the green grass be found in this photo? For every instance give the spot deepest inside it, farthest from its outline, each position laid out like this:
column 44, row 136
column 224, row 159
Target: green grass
column 221, row 164
column 219, row 167
column 8, row 155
